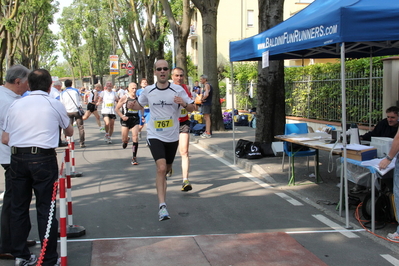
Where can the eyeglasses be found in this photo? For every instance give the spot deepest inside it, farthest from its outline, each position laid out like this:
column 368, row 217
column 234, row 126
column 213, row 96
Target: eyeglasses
column 179, row 75
column 162, row 68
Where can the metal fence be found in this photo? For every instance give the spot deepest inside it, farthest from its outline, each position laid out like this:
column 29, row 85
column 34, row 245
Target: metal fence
column 319, row 97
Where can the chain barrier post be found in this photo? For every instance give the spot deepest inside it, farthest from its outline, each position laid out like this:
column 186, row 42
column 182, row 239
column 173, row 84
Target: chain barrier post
column 72, row 230
column 63, row 213
column 71, row 146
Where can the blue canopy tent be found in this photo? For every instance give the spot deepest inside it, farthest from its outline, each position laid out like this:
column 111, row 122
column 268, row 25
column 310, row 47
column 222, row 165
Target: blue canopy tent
column 329, row 29
column 319, row 30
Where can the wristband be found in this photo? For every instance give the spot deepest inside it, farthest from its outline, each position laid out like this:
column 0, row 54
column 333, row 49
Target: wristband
column 388, row 158
column 186, row 105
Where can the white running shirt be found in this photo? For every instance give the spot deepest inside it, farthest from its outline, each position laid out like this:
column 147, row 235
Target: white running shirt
column 164, row 119
column 108, row 105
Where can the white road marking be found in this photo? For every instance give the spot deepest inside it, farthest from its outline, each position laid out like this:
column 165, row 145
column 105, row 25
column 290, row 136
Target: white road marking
column 289, row 199
column 390, row 259
column 181, row 236
column 335, row 226
column 234, row 167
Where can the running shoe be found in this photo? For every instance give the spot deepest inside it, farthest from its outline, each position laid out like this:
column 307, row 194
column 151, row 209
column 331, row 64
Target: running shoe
column 163, row 213
column 393, row 237
column 186, row 186
column 82, row 145
column 23, row 262
column 106, row 137
column 206, row 136
column 169, row 174
column 109, row 141
column 134, row 161
column 102, row 129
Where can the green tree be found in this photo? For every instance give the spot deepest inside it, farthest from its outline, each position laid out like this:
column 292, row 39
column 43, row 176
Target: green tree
column 25, row 37
column 70, row 32
column 245, row 74
column 140, row 28
column 270, row 118
column 208, row 10
column 36, row 41
column 179, row 14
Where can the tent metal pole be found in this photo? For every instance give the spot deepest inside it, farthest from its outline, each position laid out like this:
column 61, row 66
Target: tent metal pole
column 345, row 164
column 371, row 87
column 232, row 112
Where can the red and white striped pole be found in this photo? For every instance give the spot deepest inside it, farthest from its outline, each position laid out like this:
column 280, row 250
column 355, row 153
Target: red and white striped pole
column 72, row 230
column 63, row 223
column 71, row 145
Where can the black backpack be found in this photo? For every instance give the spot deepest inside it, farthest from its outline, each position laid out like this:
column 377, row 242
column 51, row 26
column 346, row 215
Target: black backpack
column 248, row 150
column 383, row 207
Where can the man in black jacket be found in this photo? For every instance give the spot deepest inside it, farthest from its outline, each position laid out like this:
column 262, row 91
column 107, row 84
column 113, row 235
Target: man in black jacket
column 387, row 127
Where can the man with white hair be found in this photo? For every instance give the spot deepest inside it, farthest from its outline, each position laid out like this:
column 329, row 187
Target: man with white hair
column 56, row 90
column 16, row 85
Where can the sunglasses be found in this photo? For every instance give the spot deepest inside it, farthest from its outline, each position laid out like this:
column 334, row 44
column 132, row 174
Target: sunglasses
column 162, row 68
column 179, row 75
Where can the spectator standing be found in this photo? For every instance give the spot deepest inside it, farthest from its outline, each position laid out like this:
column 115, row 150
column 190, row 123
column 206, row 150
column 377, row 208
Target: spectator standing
column 70, row 98
column 184, row 131
column 164, row 100
column 196, row 88
column 108, row 99
column 130, row 120
column 55, row 94
column 34, row 166
column 16, row 84
column 56, row 90
column 206, row 107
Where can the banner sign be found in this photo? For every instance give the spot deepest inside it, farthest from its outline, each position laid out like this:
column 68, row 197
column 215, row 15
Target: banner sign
column 113, row 65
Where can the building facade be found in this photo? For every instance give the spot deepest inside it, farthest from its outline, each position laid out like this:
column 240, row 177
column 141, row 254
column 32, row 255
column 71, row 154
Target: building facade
column 237, row 20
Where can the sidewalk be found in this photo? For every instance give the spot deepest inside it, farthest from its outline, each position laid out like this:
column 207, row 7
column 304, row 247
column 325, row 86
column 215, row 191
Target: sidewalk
column 324, row 196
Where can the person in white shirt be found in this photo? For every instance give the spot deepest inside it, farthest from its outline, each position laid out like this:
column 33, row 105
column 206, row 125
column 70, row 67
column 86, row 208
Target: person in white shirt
column 16, row 85
column 165, row 101
column 55, row 93
column 108, row 98
column 70, row 98
column 33, row 139
column 56, row 90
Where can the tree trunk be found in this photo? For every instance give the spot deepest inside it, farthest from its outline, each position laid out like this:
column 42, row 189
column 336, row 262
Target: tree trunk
column 270, row 117
column 208, row 11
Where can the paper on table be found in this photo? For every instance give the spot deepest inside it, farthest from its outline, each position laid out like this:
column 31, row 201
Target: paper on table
column 375, row 162
column 303, row 139
column 336, row 146
column 358, row 147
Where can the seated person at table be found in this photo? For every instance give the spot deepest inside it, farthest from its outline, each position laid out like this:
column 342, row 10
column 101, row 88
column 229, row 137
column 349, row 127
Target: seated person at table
column 387, row 127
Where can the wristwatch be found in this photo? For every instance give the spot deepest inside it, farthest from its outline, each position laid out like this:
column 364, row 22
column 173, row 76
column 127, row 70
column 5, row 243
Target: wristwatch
column 388, row 158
